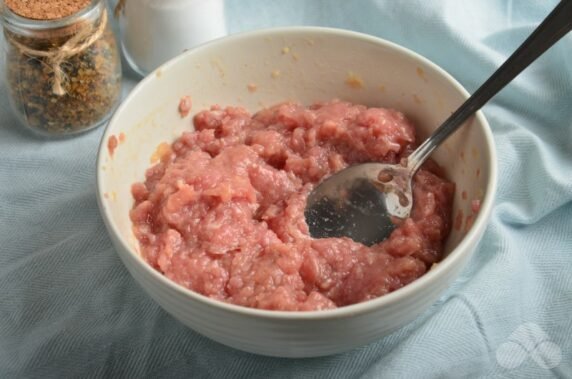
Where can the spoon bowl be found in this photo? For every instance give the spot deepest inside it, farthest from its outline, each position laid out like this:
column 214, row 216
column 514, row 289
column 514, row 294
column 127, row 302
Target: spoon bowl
column 363, row 202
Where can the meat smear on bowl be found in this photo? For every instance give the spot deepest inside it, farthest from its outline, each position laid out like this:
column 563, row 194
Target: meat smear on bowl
column 223, row 213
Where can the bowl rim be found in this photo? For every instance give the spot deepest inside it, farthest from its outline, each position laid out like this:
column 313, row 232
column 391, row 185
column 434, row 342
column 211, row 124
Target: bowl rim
column 429, row 279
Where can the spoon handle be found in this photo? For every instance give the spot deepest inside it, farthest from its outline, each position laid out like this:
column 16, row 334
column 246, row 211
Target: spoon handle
column 554, row 27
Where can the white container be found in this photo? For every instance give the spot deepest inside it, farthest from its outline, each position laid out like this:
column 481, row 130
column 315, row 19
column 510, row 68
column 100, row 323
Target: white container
column 154, row 31
column 307, row 64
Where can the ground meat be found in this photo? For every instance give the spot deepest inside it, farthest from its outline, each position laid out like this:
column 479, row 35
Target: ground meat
column 223, row 213
column 185, row 106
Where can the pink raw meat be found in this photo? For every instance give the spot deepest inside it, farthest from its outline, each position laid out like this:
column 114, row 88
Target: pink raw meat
column 223, row 215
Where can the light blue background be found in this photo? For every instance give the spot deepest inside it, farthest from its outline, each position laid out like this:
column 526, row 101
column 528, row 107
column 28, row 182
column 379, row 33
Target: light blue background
column 68, row 308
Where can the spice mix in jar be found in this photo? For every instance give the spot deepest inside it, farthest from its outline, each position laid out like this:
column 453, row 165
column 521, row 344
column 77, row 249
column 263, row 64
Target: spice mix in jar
column 63, row 67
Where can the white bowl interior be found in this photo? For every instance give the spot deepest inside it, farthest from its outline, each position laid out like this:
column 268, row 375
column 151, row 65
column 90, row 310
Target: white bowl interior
column 260, row 69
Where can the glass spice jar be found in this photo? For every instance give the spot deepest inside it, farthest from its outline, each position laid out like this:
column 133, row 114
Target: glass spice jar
column 63, row 70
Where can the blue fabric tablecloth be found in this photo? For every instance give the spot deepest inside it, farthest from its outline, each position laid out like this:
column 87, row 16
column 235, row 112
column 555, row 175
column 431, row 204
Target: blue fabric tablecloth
column 68, row 308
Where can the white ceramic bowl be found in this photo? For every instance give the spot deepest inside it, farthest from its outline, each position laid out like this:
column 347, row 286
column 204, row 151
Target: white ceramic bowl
column 305, row 64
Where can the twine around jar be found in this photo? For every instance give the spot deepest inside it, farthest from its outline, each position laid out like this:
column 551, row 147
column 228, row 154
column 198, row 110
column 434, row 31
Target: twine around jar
column 80, row 41
column 119, row 7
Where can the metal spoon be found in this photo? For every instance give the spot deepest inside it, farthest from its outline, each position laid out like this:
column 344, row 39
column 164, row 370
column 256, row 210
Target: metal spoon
column 361, row 202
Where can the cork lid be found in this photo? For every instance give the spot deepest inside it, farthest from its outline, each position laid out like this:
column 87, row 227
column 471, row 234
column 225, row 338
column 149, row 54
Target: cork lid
column 46, row 9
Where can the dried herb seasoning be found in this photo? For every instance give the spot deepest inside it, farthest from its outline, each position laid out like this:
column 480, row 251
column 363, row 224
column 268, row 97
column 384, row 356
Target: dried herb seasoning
column 63, row 75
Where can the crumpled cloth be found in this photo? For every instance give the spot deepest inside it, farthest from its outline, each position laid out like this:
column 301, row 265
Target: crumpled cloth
column 68, row 307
